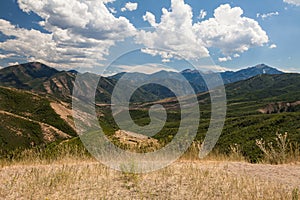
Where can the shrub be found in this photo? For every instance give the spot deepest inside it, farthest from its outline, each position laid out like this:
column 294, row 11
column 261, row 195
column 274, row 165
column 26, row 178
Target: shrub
column 282, row 151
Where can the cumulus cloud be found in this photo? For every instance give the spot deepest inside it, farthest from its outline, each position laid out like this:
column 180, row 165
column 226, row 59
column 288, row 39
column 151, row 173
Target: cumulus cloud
column 90, row 19
column 26, row 42
column 80, row 32
column 83, row 32
column 174, row 33
column 13, row 63
column 267, row 15
column 202, row 14
column 149, row 17
column 228, row 31
column 37, row 46
column 273, row 46
column 224, row 59
column 293, row 2
column 130, row 7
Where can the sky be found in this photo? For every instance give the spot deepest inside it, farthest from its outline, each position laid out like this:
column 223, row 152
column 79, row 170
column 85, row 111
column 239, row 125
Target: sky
column 110, row 36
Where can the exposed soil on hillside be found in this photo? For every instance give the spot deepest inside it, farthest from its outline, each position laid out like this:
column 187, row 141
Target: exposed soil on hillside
column 64, row 112
column 279, row 107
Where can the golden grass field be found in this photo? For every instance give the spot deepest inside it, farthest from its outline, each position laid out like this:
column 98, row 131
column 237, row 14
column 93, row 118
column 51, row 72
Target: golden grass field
column 87, row 179
column 74, row 174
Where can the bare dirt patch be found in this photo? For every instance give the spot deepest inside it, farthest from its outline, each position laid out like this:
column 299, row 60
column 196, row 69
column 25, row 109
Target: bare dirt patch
column 135, row 141
column 64, row 112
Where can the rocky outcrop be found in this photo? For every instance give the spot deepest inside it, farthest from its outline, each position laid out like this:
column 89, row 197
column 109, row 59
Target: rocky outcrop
column 135, row 141
column 279, row 107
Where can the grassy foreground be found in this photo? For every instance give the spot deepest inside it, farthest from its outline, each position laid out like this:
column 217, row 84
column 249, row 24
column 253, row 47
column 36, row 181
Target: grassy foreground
column 181, row 180
column 67, row 171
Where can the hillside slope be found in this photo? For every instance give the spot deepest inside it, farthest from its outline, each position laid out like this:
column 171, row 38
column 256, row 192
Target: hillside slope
column 28, row 119
column 245, row 121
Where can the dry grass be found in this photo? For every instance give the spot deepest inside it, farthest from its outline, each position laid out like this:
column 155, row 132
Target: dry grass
column 182, row 180
column 280, row 152
column 61, row 154
column 192, row 154
column 71, row 174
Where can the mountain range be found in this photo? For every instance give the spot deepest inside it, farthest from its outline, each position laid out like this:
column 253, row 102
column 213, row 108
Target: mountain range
column 37, row 77
column 195, row 78
column 35, row 104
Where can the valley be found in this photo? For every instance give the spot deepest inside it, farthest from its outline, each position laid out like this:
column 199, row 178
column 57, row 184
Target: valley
column 42, row 98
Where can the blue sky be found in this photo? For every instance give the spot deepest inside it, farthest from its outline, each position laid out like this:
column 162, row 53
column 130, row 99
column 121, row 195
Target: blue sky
column 148, row 36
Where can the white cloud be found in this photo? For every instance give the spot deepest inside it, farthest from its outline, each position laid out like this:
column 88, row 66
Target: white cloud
column 149, row 17
column 13, row 63
column 154, row 52
column 236, row 55
column 224, row 59
column 273, row 46
column 5, row 56
column 174, row 33
column 228, row 31
column 81, row 32
column 146, row 68
column 202, row 14
column 37, row 46
column 267, row 15
column 130, row 7
column 210, row 68
column 90, row 19
column 293, row 2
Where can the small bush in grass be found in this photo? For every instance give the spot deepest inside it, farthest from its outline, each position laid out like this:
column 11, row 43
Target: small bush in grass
column 192, row 153
column 282, row 151
column 129, row 174
column 236, row 153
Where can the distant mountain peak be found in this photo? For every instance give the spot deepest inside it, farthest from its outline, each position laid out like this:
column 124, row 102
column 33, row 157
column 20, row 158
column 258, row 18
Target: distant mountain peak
column 266, row 67
column 187, row 71
column 73, row 71
column 262, row 66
